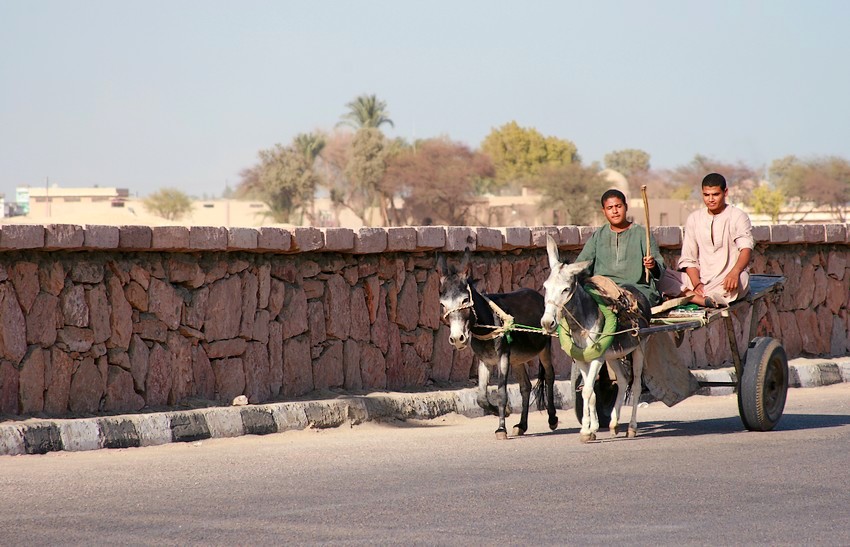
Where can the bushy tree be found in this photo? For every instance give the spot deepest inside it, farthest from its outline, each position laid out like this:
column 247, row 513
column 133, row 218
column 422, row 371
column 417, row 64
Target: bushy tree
column 767, row 201
column 810, row 184
column 685, row 182
column 437, row 180
column 573, row 191
column 168, row 203
column 629, row 162
column 365, row 170
column 519, row 154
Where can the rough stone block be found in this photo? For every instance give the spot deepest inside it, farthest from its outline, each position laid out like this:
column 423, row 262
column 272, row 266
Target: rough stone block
column 22, row 236
column 489, row 239
column 339, row 239
column 207, row 238
column 243, row 239
column 836, row 233
column 668, row 236
column 305, row 239
column 779, row 233
column 401, row 238
column 539, row 233
column 586, row 232
column 134, row 237
column 570, row 237
column 169, row 238
column 370, row 240
column 516, row 237
column 459, row 238
column 101, row 237
column 63, row 236
column 430, row 237
column 796, row 233
column 273, row 239
column 761, row 234
column 814, row 233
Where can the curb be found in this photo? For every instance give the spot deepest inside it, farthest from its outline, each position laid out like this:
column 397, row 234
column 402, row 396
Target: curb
column 36, row 436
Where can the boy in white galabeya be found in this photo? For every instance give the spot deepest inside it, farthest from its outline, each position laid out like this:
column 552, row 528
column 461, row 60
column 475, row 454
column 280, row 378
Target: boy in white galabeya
column 716, row 251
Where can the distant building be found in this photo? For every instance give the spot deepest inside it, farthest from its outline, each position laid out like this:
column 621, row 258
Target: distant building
column 30, row 198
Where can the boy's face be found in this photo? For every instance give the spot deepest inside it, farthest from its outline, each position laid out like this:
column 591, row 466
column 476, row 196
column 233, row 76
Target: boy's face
column 714, row 198
column 615, row 211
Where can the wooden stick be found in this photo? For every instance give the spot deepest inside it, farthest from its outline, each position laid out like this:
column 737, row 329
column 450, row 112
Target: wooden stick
column 646, row 215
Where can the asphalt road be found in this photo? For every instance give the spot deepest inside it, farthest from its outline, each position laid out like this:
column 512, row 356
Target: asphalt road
column 693, row 476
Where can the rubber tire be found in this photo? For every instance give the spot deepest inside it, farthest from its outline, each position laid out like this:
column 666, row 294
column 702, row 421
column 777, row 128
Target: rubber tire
column 763, row 386
column 606, row 396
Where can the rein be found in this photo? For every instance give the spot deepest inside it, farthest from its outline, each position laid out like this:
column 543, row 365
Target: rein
column 605, row 338
column 508, row 324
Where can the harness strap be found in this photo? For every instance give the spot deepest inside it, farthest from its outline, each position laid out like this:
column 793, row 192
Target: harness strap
column 597, row 347
column 504, row 329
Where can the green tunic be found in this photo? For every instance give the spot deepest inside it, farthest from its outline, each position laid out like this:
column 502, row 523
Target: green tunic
column 619, row 256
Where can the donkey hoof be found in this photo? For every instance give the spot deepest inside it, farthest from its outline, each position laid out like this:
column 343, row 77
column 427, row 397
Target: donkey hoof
column 501, row 435
column 615, row 429
column 518, row 431
column 553, row 424
column 632, row 433
column 587, row 437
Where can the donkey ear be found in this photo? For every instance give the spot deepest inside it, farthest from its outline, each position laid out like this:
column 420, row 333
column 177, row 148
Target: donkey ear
column 442, row 269
column 582, row 268
column 552, row 249
column 463, row 269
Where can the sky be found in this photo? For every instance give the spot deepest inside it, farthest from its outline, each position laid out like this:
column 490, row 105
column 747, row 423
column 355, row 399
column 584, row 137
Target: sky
column 183, row 94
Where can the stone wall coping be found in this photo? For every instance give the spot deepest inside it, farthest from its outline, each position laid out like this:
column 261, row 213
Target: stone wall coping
column 72, row 237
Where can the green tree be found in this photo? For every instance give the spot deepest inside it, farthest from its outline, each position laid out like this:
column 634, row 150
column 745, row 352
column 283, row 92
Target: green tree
column 629, row 162
column 286, row 182
column 520, row 154
column 168, row 203
column 768, row 201
column 573, row 191
column 366, row 111
column 309, row 144
column 365, row 170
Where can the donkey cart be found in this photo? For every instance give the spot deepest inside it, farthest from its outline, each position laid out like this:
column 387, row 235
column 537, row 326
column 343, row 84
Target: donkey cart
column 761, row 376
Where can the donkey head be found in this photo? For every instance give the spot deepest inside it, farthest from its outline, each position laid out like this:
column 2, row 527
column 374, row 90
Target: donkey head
column 560, row 286
column 456, row 299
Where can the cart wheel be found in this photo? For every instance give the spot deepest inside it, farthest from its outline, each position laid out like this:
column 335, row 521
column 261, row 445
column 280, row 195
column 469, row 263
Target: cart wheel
column 763, row 385
column 606, row 397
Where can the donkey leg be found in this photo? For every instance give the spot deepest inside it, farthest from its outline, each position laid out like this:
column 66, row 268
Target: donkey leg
column 589, row 421
column 638, row 357
column 549, row 372
column 616, row 413
column 483, row 381
column 521, row 375
column 504, row 370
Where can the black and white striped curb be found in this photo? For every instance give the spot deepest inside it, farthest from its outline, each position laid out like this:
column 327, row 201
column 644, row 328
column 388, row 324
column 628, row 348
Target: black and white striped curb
column 36, row 436
column 135, row 430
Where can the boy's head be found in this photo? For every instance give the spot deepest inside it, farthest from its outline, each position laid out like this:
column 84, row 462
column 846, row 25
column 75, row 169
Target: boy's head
column 714, row 193
column 714, row 180
column 614, row 208
column 613, row 193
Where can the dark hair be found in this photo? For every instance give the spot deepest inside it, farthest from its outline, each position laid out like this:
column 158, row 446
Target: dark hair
column 714, row 180
column 613, row 193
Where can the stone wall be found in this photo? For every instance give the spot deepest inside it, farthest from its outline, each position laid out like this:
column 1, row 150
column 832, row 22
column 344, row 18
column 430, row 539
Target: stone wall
column 101, row 319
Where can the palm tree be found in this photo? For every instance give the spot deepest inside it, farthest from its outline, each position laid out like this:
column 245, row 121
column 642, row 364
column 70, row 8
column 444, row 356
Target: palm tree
column 366, row 111
column 309, row 144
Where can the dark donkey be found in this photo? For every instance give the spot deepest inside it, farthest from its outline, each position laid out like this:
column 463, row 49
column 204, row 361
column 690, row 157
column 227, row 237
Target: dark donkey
column 474, row 321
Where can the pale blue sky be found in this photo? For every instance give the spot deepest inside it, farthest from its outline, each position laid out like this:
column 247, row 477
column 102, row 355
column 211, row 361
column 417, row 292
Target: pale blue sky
column 183, row 93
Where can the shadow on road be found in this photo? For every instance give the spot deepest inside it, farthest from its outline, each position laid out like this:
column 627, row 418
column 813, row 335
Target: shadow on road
column 715, row 426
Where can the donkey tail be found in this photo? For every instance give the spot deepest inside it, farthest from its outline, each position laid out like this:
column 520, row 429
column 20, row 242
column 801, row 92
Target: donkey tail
column 539, row 392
